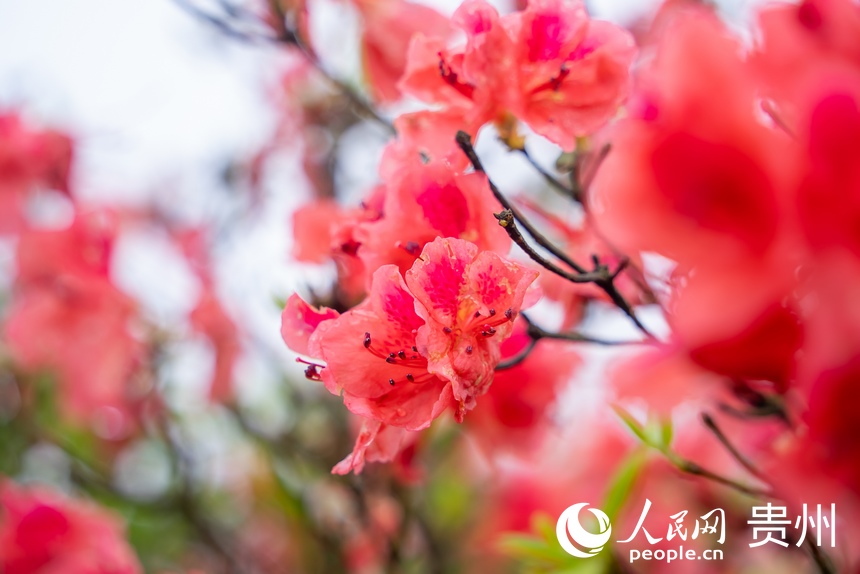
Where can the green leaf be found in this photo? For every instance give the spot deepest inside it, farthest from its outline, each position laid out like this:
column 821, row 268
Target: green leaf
column 526, row 547
column 633, row 425
column 623, row 482
column 666, row 433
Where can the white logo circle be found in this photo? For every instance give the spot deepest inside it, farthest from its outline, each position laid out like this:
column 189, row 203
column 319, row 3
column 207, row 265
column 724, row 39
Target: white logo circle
column 569, row 528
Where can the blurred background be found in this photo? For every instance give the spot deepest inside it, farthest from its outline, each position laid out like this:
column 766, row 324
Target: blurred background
column 202, row 146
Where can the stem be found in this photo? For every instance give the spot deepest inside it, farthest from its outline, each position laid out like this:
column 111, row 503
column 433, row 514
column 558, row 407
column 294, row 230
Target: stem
column 548, row 177
column 599, row 276
column 290, row 37
column 694, row 469
column 743, row 460
column 507, row 220
column 464, row 140
column 519, row 357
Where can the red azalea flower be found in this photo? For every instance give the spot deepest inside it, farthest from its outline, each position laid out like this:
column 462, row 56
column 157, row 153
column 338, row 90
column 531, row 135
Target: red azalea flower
column 550, row 65
column 426, row 201
column 66, row 316
column 42, row 531
column 29, row 159
column 389, row 26
column 408, row 353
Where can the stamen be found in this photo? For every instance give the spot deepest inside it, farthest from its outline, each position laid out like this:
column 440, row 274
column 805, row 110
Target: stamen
column 453, row 80
column 367, row 340
column 412, row 248
column 350, row 247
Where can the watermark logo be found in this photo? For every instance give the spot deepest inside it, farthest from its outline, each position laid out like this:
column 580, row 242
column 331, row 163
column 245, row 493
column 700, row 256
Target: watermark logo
column 569, row 530
column 770, row 524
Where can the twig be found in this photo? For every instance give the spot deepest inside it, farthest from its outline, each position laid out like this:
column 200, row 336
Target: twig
column 464, row 140
column 519, row 357
column 548, row 177
column 289, row 37
column 694, row 469
column 743, row 460
column 507, row 220
column 187, row 504
column 537, row 333
column 822, row 561
column 599, row 277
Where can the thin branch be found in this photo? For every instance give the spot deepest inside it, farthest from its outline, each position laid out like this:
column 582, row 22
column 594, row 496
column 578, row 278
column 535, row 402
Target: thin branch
column 187, row 504
column 822, row 561
column 743, row 460
column 507, row 220
column 537, row 333
column 690, row 467
column 464, row 140
column 548, row 177
column 519, row 357
column 289, row 37
column 599, row 276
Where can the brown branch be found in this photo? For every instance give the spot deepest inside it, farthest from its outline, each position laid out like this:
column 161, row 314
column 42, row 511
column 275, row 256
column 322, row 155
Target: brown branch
column 289, row 37
column 600, row 276
column 464, row 140
column 743, row 460
column 548, row 177
column 507, row 220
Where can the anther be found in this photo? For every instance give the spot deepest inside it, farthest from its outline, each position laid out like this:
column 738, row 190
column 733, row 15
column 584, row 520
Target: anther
column 410, row 378
column 447, row 330
column 492, row 312
column 509, row 313
column 391, row 382
column 367, row 340
column 414, row 348
column 401, row 354
column 488, row 331
column 390, row 360
column 477, row 314
column 469, row 350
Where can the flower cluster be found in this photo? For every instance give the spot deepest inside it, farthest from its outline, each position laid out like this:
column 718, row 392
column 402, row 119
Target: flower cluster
column 424, row 245
column 753, row 193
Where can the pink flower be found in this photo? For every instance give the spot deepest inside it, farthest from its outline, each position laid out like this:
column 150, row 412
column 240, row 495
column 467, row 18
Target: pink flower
column 66, row 316
column 693, row 175
column 423, row 202
column 376, row 442
column 802, row 50
column 209, row 317
column 414, row 349
column 44, row 532
column 211, row 320
column 829, row 196
column 324, row 231
column 29, row 159
column 468, row 301
column 551, row 66
column 389, row 26
column 515, row 409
